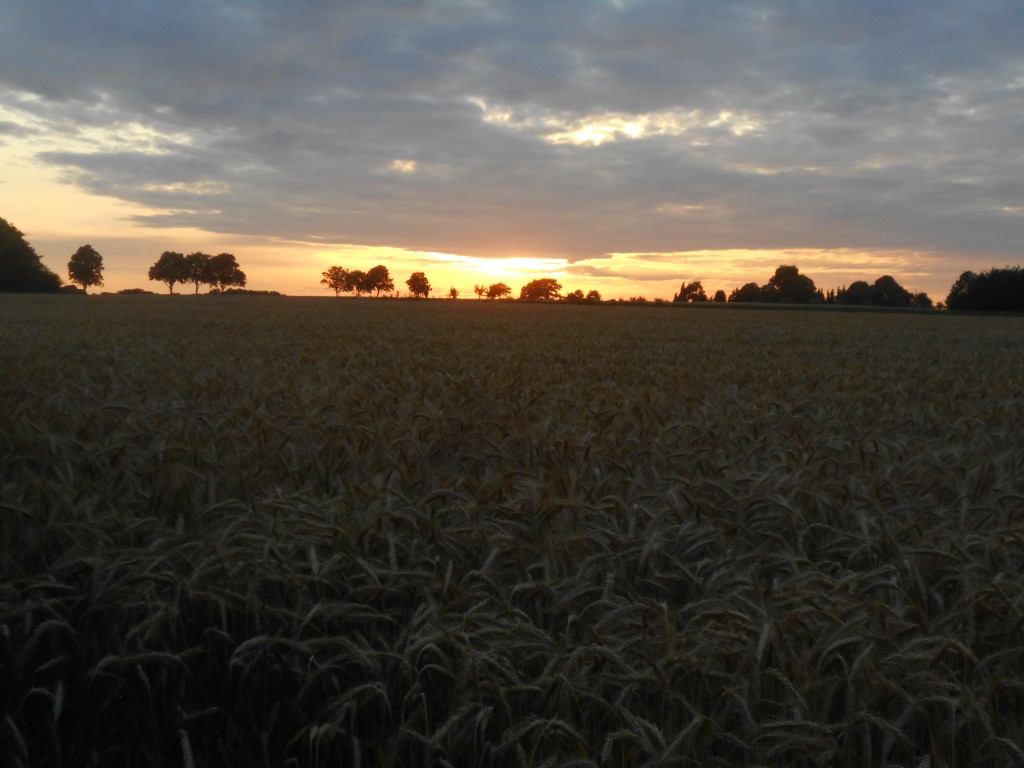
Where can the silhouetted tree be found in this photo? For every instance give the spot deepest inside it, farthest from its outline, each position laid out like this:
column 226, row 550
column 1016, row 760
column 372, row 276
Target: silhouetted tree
column 170, row 268
column 750, row 293
column 719, row 297
column 21, row 269
column 788, row 286
column 575, row 297
column 337, row 279
column 540, row 290
column 224, row 271
column 921, row 301
column 85, row 267
column 886, row 292
column 480, row 291
column 453, row 292
column 857, row 294
column 995, row 290
column 378, row 279
column 960, row 293
column 198, row 269
column 593, row 297
column 498, row 291
column 418, row 284
column 690, row 292
column 357, row 282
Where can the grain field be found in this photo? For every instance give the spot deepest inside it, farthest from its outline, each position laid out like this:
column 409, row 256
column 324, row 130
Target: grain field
column 258, row 531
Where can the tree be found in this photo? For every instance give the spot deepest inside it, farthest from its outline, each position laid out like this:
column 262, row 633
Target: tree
column 719, row 297
column 337, row 279
column 21, row 269
column 857, row 294
column 378, row 279
column 418, row 284
column 479, row 290
column 921, row 301
column 693, row 292
column 357, row 281
column 170, row 268
column 788, row 286
column 453, row 292
column 542, row 289
column 85, row 267
column 886, row 292
column 198, row 271
column 960, row 293
column 574, row 297
column 593, row 297
column 224, row 271
column 498, row 291
column 749, row 293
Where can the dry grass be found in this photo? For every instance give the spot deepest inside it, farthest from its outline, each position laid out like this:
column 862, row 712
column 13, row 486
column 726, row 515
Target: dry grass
column 263, row 531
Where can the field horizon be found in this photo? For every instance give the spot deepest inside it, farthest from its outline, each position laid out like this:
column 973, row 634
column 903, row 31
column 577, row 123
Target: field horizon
column 311, row 531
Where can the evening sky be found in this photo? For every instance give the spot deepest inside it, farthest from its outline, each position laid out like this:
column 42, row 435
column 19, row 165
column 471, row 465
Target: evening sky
column 623, row 146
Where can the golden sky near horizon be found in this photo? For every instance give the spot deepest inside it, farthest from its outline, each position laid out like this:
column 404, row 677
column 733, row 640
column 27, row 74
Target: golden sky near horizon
column 57, row 217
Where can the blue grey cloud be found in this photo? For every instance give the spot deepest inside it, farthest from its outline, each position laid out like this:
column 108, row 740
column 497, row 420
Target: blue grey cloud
column 461, row 126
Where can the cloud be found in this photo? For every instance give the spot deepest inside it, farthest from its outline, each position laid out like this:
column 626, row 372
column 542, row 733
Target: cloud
column 567, row 130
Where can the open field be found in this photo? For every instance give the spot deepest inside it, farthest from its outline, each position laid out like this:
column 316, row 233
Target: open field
column 271, row 531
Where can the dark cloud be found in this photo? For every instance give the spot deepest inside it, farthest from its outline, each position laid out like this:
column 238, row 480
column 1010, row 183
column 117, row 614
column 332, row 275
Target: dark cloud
column 778, row 124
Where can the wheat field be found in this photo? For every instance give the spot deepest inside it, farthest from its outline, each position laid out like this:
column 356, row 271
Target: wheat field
column 258, row 531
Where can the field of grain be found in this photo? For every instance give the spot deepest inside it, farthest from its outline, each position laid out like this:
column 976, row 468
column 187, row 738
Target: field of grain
column 263, row 531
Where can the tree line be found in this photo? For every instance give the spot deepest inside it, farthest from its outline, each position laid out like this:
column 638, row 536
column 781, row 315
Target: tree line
column 378, row 279
column 375, row 280
column 789, row 286
column 22, row 270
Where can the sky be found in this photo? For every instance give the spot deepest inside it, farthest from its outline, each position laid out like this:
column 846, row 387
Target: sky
column 622, row 146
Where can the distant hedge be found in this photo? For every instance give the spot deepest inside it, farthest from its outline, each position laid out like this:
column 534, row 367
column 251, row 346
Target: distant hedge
column 995, row 290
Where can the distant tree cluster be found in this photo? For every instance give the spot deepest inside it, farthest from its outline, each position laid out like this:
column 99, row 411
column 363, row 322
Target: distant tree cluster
column 788, row 286
column 341, row 280
column 544, row 289
column 690, row 293
column 884, row 292
column 492, row 291
column 998, row 290
column 578, row 297
column 219, row 272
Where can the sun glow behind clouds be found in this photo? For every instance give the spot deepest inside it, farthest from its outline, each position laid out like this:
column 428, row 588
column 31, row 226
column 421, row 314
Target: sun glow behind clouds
column 601, row 127
column 402, row 166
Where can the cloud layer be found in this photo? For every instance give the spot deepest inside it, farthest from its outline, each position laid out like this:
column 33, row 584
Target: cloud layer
column 570, row 129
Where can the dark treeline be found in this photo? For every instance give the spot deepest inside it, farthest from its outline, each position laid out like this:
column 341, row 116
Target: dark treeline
column 1000, row 290
column 22, row 271
column 788, row 286
column 219, row 272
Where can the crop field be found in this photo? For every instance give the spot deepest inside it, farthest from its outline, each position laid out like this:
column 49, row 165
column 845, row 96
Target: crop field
column 259, row 531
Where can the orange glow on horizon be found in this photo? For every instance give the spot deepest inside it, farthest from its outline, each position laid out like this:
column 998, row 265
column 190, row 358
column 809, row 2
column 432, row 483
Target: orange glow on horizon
column 57, row 217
